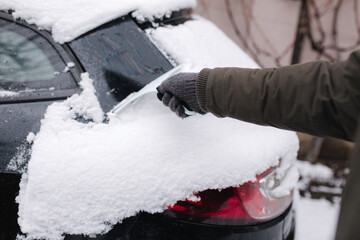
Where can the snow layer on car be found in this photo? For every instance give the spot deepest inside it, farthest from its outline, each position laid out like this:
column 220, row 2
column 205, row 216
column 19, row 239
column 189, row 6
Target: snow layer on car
column 199, row 43
column 84, row 177
column 69, row 19
column 4, row 93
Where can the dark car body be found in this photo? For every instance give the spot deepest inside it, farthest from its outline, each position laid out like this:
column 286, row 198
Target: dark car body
column 121, row 59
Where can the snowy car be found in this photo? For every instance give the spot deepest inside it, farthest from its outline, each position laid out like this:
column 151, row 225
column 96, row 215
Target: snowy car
column 122, row 56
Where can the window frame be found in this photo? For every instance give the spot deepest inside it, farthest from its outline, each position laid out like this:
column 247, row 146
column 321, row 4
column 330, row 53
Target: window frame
column 63, row 52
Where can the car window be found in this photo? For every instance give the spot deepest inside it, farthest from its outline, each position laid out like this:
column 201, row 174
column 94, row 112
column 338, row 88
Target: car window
column 22, row 60
column 121, row 57
column 31, row 65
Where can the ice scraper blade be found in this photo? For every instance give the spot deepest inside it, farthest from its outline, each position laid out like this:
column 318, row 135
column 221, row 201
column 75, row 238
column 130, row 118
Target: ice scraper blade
column 149, row 88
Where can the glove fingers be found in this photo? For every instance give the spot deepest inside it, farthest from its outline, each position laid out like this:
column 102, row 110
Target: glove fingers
column 160, row 89
column 180, row 112
column 174, row 103
column 166, row 98
column 160, row 96
column 176, row 106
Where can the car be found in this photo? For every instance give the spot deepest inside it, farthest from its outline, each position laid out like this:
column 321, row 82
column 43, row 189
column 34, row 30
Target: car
column 37, row 71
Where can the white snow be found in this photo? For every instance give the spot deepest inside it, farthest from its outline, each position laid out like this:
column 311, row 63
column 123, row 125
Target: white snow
column 84, row 177
column 194, row 43
column 314, row 171
column 319, row 173
column 70, row 64
column 287, row 184
column 87, row 104
column 5, row 93
column 316, row 219
column 30, row 137
column 69, row 19
column 333, row 190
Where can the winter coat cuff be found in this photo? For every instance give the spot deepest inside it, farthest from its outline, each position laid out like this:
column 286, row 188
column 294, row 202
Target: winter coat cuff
column 201, row 83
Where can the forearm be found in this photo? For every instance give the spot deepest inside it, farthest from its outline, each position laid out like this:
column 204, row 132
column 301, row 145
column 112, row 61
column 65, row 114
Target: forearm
column 319, row 98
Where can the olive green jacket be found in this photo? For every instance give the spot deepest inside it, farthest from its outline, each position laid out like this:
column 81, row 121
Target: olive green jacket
column 320, row 98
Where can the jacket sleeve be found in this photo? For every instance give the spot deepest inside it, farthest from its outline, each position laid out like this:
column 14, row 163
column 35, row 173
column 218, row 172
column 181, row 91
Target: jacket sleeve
column 320, row 98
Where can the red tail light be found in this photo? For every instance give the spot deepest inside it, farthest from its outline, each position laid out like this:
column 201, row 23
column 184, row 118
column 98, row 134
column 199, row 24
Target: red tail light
column 249, row 204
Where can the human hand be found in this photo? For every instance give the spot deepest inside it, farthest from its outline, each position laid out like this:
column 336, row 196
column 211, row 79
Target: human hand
column 179, row 91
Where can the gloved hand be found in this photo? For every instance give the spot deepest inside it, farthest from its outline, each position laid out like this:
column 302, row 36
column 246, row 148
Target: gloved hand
column 179, row 91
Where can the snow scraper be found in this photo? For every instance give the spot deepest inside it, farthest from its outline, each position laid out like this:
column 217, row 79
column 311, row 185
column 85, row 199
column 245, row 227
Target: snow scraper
column 149, row 88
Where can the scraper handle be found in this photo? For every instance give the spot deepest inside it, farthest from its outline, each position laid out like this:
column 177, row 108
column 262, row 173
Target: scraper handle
column 189, row 112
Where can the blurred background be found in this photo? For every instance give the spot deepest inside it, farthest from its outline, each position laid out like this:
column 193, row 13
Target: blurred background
column 282, row 32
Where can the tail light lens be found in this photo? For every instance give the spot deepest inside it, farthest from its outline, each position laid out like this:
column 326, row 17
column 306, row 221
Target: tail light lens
column 249, row 204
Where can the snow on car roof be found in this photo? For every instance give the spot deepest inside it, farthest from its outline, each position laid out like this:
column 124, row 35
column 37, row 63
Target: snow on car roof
column 84, row 177
column 68, row 19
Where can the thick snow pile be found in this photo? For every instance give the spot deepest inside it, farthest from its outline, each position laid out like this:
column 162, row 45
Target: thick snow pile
column 85, row 177
column 68, row 19
column 200, row 44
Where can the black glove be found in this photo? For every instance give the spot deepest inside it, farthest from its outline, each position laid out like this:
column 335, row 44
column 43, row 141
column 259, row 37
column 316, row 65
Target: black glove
column 179, row 91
